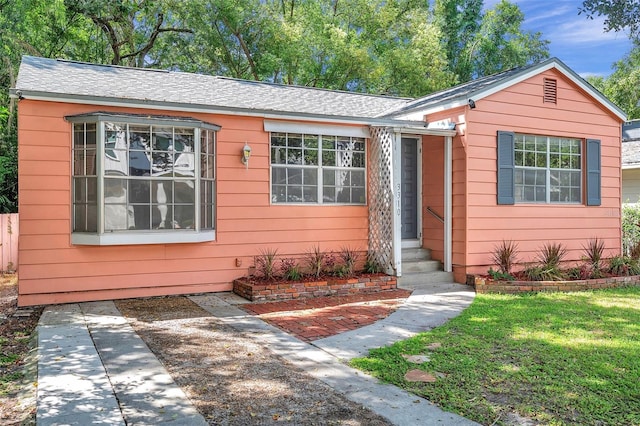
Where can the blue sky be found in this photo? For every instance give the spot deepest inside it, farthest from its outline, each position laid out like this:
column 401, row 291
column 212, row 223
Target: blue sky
column 577, row 41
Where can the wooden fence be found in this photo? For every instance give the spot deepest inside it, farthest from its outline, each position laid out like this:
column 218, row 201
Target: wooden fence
column 9, row 242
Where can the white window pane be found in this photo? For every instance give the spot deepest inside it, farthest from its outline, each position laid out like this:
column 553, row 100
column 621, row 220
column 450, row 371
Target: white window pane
column 118, row 217
column 294, row 156
column 294, row 140
column 294, row 194
column 184, row 164
column 294, row 176
column 310, row 193
column 310, row 176
column 329, row 194
column 358, row 195
column 279, row 194
column 278, row 155
column 357, row 178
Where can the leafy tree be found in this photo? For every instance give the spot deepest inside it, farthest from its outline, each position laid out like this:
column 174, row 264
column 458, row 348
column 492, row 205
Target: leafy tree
column 623, row 86
column 459, row 21
column 619, row 15
column 130, row 27
column 500, row 44
column 478, row 44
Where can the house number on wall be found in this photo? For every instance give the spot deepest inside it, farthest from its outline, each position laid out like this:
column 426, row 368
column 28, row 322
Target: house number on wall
column 398, row 198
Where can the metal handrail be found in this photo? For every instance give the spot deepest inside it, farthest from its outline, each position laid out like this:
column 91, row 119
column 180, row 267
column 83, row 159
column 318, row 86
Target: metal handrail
column 434, row 214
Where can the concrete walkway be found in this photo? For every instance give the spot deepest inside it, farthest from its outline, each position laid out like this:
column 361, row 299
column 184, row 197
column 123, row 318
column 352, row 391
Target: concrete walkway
column 94, row 369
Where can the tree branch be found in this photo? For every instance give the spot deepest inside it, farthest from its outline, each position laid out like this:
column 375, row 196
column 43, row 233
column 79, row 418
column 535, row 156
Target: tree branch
column 144, row 50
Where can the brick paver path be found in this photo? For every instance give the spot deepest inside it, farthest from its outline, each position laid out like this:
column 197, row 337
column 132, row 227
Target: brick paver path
column 319, row 317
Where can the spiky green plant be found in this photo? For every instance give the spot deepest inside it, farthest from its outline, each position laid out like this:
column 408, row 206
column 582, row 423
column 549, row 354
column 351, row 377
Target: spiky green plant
column 290, row 269
column 371, row 265
column 551, row 255
column 505, row 255
column 315, row 260
column 593, row 252
column 265, row 263
column 349, row 257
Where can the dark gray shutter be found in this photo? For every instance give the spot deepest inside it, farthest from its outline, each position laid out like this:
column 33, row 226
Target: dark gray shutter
column 505, row 168
column 593, row 172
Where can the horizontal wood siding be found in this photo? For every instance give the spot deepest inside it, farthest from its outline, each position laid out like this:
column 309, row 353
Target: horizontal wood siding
column 52, row 270
column 433, row 192
column 520, row 109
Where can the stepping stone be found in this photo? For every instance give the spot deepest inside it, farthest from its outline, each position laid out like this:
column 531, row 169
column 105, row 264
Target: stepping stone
column 435, row 345
column 417, row 359
column 420, row 376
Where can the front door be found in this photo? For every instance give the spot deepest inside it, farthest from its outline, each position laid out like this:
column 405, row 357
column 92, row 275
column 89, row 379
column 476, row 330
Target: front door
column 409, row 193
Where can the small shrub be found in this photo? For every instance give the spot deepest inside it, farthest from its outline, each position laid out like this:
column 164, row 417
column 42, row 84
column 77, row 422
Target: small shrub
column 290, row 269
column 349, row 257
column 500, row 275
column 543, row 273
column 330, row 263
column 341, row 271
column 630, row 228
column 624, row 266
column 265, row 263
column 505, row 255
column 582, row 272
column 634, row 251
column 371, row 265
column 315, row 260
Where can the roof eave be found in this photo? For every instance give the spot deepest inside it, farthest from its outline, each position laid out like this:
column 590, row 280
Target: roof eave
column 212, row 109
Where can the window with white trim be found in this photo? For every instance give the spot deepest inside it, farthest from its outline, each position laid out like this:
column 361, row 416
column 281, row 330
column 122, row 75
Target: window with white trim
column 142, row 179
column 317, row 169
column 547, row 169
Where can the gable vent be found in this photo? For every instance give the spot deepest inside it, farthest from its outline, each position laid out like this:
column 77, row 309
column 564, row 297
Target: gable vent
column 550, row 91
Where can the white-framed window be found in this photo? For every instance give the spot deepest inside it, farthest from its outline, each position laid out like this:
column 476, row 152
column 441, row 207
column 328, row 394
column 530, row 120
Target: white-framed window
column 317, row 169
column 142, row 179
column 547, row 169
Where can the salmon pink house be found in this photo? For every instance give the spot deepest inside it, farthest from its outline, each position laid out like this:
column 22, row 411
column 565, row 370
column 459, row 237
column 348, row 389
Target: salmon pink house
column 139, row 182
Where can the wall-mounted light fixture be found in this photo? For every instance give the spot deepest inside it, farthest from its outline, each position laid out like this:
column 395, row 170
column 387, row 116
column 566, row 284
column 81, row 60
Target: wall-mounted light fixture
column 472, row 104
column 246, row 154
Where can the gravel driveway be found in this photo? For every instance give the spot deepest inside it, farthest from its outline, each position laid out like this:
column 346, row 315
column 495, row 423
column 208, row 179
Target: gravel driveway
column 231, row 378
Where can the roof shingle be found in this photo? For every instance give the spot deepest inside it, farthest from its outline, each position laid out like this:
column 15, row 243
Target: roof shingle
column 61, row 77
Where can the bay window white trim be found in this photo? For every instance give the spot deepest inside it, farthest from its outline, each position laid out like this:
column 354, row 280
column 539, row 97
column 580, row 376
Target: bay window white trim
column 98, row 234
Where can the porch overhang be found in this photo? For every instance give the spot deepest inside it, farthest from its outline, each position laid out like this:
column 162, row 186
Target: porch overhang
column 385, row 212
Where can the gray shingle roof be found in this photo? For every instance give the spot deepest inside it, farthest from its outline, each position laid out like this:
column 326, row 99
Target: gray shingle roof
column 631, row 143
column 89, row 81
column 484, row 86
column 53, row 78
column 461, row 91
column 631, row 131
column 631, row 153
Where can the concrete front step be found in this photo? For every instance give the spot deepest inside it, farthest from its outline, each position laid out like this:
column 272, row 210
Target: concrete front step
column 409, row 254
column 417, row 280
column 420, row 266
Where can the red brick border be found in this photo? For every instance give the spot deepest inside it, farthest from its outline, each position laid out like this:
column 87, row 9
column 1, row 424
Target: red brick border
column 487, row 285
column 328, row 287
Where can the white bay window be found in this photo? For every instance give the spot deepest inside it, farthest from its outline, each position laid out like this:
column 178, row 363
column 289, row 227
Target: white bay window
column 142, row 179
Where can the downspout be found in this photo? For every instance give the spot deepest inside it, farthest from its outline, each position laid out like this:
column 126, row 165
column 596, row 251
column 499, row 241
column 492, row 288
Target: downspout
column 448, row 200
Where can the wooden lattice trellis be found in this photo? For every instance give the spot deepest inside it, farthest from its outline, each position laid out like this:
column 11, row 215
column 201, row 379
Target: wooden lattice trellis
column 380, row 181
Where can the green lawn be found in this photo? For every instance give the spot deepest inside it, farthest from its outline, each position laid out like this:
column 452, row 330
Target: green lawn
column 556, row 358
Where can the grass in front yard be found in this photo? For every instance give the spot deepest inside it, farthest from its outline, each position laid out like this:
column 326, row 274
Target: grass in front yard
column 555, row 358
